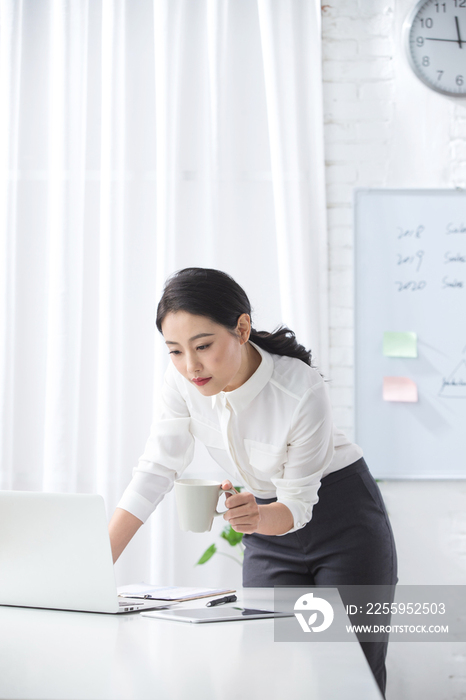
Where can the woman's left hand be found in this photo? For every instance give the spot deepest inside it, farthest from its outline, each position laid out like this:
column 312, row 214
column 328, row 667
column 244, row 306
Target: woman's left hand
column 243, row 512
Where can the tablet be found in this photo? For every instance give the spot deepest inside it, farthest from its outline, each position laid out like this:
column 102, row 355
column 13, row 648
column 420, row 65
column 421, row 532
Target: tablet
column 216, row 614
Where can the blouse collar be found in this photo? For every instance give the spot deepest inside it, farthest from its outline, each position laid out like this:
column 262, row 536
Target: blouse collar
column 240, row 398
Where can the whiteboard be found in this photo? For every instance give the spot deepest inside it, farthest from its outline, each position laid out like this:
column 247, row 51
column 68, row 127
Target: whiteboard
column 410, row 276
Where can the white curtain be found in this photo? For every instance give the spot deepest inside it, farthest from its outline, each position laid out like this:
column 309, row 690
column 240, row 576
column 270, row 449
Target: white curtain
column 138, row 137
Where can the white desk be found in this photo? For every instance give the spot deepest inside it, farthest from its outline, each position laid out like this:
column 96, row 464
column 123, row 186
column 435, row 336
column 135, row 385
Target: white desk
column 86, row 656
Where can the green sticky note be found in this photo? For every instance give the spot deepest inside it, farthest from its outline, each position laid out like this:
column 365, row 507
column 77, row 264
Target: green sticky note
column 399, row 344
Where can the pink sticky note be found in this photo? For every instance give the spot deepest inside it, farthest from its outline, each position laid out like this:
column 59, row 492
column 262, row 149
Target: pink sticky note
column 399, row 389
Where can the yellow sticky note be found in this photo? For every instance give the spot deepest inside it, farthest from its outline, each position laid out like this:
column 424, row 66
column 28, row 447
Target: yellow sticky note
column 400, row 344
column 399, row 389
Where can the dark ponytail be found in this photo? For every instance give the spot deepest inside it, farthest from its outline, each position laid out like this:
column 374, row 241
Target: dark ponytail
column 205, row 292
column 282, row 341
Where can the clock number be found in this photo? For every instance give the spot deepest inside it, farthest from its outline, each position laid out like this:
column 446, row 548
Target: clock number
column 420, row 41
column 429, row 22
column 460, row 3
column 440, row 73
column 438, row 6
column 425, row 61
column 459, row 80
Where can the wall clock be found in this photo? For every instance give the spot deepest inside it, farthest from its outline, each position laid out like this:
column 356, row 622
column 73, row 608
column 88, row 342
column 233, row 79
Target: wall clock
column 435, row 41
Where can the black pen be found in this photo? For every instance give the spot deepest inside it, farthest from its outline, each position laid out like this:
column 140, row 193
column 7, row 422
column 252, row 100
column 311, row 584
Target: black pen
column 221, row 601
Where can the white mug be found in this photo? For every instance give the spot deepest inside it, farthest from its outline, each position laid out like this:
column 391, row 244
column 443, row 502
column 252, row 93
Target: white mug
column 196, row 502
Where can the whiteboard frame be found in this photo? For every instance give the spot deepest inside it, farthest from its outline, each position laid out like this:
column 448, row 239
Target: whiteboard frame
column 386, row 191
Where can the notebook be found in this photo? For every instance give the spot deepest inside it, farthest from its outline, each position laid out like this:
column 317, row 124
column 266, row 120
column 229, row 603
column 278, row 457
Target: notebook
column 55, row 553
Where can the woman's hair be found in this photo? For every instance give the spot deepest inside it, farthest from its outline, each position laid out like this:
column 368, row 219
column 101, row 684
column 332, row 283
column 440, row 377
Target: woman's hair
column 205, row 292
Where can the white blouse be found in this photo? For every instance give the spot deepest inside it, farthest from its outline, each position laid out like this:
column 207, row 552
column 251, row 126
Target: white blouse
column 274, row 433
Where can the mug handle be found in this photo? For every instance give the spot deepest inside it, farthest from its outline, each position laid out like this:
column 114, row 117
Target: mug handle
column 232, row 491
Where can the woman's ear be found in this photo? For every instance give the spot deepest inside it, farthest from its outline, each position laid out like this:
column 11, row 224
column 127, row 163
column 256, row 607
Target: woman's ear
column 243, row 328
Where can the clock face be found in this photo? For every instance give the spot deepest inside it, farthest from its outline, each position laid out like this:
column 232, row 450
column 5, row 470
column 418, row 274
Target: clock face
column 435, row 36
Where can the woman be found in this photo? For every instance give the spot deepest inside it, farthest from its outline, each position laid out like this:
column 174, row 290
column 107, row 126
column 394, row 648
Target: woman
column 311, row 513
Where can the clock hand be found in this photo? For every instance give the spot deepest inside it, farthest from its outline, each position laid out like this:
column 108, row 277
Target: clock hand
column 452, row 41
column 458, row 31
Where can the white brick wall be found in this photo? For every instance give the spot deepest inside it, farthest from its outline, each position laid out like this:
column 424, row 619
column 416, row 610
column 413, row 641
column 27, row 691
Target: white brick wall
column 358, row 105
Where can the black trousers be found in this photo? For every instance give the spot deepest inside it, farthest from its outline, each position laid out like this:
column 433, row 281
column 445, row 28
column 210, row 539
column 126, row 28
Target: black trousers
column 349, row 541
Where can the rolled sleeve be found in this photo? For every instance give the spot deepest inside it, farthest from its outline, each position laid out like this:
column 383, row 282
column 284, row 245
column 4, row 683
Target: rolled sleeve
column 310, row 451
column 137, row 504
column 299, row 496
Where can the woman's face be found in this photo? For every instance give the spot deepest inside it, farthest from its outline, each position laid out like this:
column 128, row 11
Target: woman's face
column 206, row 353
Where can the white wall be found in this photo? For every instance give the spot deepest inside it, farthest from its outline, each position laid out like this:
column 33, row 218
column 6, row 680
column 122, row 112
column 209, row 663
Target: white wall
column 384, row 128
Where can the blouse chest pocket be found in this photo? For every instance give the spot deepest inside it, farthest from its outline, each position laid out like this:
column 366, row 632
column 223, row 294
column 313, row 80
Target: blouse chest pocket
column 266, row 458
column 211, row 437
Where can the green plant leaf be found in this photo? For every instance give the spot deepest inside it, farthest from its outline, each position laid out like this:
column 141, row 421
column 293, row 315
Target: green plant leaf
column 207, row 554
column 231, row 536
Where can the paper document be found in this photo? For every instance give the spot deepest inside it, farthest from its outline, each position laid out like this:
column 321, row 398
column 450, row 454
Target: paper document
column 171, row 593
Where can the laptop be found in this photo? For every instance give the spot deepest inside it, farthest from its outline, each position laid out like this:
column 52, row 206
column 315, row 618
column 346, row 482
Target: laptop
column 55, row 553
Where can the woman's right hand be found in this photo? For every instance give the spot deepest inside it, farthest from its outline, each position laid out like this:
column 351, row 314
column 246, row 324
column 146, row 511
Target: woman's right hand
column 243, row 512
